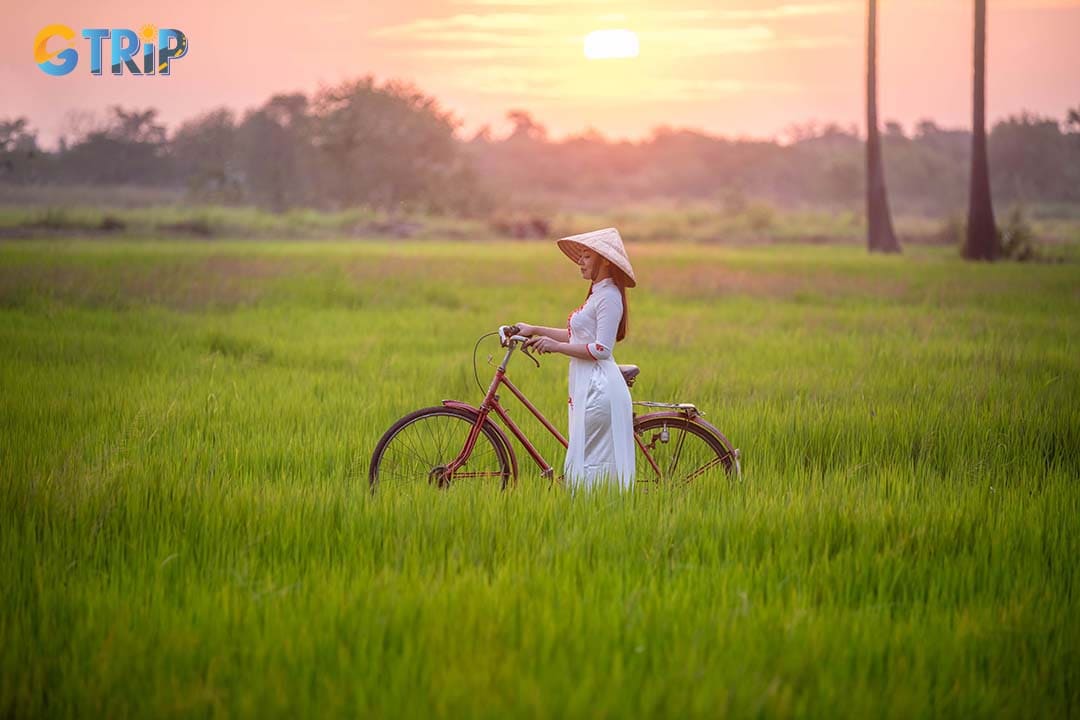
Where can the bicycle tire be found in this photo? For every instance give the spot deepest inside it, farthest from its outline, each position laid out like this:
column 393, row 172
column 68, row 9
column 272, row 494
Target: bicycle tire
column 724, row 453
column 497, row 448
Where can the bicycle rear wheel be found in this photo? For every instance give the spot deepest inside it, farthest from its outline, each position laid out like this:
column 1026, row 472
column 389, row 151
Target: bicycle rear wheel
column 683, row 449
column 419, row 447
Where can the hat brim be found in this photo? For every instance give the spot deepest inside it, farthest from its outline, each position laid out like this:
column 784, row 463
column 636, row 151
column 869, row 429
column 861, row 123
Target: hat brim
column 573, row 251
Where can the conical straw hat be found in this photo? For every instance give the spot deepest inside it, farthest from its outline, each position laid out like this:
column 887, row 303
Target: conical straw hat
column 606, row 242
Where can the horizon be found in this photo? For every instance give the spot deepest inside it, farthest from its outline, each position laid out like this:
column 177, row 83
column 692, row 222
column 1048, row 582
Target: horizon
column 782, row 138
column 771, row 66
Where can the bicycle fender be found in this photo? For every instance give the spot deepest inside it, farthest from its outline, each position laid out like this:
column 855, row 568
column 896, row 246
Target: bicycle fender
column 696, row 419
column 475, row 412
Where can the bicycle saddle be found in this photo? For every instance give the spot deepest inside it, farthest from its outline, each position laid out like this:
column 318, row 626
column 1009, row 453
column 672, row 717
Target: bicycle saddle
column 629, row 373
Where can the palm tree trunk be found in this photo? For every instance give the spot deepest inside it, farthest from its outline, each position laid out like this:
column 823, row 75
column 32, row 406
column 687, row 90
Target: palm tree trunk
column 982, row 240
column 880, row 236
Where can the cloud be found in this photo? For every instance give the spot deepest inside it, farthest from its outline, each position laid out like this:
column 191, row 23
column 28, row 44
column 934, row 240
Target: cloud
column 466, row 21
column 536, row 53
column 786, row 10
column 643, row 85
column 535, row 3
column 502, row 54
column 707, row 41
column 519, row 35
column 471, row 36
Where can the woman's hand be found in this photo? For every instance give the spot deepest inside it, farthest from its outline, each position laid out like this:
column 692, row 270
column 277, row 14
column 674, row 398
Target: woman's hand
column 526, row 329
column 543, row 344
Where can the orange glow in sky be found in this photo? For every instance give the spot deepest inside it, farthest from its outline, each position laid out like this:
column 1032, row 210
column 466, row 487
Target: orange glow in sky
column 731, row 67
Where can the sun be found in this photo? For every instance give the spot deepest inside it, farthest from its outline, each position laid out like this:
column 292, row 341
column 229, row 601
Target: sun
column 148, row 32
column 605, row 44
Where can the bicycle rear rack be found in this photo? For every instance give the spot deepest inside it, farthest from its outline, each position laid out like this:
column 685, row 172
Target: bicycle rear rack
column 689, row 408
column 651, row 403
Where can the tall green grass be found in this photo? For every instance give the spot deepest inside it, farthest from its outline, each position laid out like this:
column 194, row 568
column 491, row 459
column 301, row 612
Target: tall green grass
column 186, row 527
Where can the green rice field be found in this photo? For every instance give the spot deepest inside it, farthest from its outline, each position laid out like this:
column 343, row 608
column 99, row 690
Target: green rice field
column 186, row 527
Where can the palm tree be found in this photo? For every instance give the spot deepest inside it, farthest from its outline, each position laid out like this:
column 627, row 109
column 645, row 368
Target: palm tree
column 982, row 240
column 879, row 228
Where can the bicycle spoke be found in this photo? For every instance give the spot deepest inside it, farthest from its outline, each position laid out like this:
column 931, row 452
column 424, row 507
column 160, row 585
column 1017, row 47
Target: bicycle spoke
column 405, row 439
column 690, row 452
column 441, row 442
column 704, row 468
column 405, row 445
column 422, row 448
column 675, row 455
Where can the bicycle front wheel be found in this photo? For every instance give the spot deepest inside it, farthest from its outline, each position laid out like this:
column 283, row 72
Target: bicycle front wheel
column 419, row 447
column 681, row 450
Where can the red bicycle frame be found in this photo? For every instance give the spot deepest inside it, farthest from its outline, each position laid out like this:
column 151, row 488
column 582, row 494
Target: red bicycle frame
column 491, row 404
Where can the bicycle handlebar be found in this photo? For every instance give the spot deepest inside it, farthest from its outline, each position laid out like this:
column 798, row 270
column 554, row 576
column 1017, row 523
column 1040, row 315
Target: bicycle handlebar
column 510, row 333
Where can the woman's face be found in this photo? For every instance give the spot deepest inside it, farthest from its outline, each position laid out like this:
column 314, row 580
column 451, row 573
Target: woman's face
column 591, row 264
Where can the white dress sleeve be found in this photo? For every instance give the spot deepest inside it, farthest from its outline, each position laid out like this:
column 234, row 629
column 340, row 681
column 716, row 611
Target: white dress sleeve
column 608, row 314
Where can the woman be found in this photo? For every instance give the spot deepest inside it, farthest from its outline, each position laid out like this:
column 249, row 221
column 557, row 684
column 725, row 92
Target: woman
column 601, row 445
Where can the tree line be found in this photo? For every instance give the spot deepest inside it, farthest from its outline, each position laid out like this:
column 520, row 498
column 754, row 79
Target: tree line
column 390, row 146
column 354, row 144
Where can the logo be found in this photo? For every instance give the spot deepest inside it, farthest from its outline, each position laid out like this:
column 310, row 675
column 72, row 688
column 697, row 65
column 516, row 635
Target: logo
column 150, row 51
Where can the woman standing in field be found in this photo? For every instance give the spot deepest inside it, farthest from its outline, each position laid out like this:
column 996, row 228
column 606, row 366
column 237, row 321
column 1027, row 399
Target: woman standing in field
column 601, row 443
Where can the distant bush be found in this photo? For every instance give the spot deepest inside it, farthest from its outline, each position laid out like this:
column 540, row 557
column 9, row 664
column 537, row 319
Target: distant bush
column 1016, row 236
column 953, row 231
column 760, row 217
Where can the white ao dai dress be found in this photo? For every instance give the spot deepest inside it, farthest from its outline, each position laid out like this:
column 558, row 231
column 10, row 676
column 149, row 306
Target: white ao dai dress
column 601, row 442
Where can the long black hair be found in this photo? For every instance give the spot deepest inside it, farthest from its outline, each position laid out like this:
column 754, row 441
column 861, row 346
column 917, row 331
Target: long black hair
column 620, row 282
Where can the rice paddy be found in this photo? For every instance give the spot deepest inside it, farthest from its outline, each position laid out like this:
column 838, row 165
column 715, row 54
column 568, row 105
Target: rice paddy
column 186, row 527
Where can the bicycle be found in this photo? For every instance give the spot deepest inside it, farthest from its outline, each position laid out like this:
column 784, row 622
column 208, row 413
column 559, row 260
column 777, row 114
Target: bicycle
column 455, row 440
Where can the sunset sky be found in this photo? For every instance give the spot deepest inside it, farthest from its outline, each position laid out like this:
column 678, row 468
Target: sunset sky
column 730, row 67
